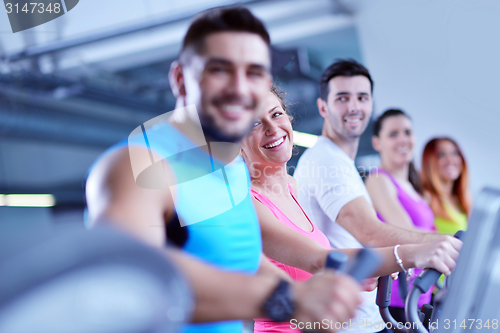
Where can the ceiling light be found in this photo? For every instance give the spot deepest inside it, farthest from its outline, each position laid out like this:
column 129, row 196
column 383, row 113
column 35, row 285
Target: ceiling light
column 304, row 139
column 27, row 200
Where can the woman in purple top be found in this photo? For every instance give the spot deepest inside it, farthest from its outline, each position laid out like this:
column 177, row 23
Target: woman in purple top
column 396, row 191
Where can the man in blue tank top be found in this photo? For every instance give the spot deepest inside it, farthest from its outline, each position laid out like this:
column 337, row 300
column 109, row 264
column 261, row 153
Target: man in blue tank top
column 184, row 169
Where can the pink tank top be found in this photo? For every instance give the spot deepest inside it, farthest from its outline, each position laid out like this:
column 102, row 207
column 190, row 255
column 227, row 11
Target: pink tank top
column 264, row 325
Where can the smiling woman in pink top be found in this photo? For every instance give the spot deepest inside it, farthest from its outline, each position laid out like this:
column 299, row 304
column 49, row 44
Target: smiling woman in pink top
column 289, row 238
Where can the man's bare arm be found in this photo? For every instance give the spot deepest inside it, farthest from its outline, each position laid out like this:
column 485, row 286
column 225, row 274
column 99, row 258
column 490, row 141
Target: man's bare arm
column 223, row 295
column 113, row 196
column 359, row 218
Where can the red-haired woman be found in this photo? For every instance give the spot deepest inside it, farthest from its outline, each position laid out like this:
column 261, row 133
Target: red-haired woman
column 445, row 181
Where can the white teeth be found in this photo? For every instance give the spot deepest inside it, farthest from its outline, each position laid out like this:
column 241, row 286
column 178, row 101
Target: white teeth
column 232, row 108
column 275, row 143
column 356, row 120
column 403, row 150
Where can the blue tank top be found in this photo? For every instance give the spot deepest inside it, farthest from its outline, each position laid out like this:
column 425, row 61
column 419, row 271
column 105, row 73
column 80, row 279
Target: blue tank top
column 212, row 200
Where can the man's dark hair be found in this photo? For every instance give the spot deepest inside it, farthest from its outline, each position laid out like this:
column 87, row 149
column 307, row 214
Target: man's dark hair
column 342, row 67
column 237, row 19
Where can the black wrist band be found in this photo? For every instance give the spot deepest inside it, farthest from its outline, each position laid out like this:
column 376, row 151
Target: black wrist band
column 280, row 305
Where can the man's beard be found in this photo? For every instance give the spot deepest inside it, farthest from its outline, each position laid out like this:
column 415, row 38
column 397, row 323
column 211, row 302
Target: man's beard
column 211, row 130
column 209, row 125
column 338, row 127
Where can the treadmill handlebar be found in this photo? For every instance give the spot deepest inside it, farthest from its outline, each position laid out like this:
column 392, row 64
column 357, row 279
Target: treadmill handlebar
column 336, row 260
column 364, row 265
column 361, row 267
column 384, row 291
column 426, row 279
column 421, row 284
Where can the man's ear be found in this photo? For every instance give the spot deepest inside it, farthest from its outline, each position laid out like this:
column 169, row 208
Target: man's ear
column 376, row 143
column 322, row 107
column 245, row 158
column 176, row 79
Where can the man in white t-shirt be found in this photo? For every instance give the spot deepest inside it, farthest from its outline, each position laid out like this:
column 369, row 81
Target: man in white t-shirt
column 330, row 189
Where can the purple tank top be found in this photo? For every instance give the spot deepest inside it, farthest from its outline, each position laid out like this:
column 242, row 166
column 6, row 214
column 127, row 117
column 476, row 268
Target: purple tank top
column 423, row 218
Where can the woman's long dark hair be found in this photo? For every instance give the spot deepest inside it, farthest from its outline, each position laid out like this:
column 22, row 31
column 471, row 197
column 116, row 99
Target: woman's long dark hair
column 412, row 172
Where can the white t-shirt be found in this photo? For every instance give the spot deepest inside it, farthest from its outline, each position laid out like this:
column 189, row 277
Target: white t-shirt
column 328, row 179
